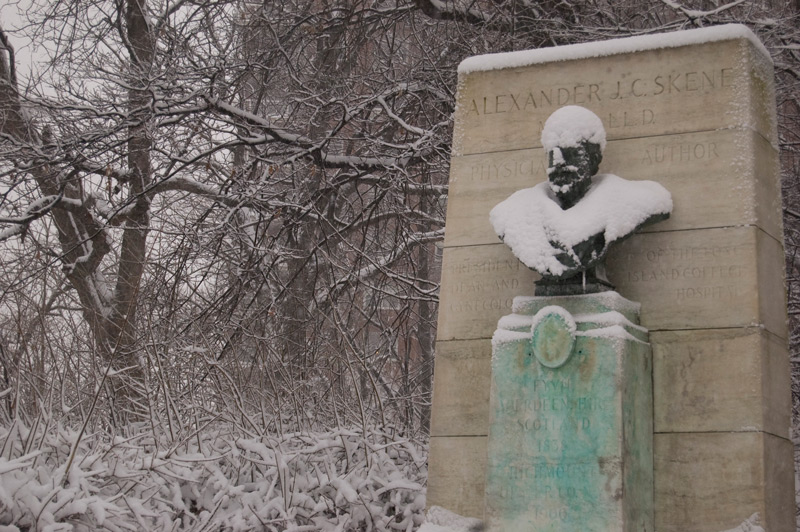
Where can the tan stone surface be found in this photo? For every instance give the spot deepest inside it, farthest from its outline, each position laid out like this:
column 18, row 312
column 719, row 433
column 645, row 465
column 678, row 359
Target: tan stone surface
column 653, row 92
column 760, row 91
column 717, row 179
column 720, row 380
column 478, row 286
column 776, row 386
column 772, row 285
column 463, row 370
column 766, row 163
column 697, row 279
column 702, row 279
column 780, row 489
column 710, row 482
column 457, row 474
column 478, row 183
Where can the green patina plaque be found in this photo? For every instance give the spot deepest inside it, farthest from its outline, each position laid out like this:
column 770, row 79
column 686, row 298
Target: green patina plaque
column 553, row 336
column 570, row 439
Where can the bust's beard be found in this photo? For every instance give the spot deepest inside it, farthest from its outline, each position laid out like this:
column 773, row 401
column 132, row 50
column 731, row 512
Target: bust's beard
column 565, row 183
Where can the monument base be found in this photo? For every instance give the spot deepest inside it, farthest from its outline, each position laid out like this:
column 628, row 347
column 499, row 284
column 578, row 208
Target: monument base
column 571, row 428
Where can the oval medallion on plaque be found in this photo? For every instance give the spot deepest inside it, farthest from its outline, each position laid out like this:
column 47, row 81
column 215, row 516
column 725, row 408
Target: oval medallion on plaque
column 553, row 336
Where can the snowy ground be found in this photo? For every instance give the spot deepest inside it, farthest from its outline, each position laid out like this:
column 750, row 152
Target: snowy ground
column 336, row 481
column 441, row 520
column 327, row 481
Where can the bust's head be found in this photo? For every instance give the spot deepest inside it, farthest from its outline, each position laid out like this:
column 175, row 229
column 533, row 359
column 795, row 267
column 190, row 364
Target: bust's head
column 574, row 139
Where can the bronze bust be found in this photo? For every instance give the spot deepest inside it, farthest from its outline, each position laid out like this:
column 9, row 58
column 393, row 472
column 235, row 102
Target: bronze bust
column 563, row 228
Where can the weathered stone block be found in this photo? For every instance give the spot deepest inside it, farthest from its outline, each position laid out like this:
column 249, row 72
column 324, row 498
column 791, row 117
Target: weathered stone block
column 463, row 365
column 699, row 279
column 457, row 474
column 710, row 278
column 642, row 94
column 706, row 482
column 479, row 284
column 717, row 179
column 478, row 183
column 772, row 285
column 779, row 497
column 720, row 380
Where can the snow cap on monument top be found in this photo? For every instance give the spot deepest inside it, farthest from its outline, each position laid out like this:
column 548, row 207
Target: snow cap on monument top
column 569, row 126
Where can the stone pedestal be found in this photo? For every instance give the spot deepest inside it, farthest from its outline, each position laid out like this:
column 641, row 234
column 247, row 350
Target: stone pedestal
column 570, row 436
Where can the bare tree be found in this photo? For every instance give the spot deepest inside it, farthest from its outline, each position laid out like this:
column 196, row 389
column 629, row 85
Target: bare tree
column 233, row 206
column 253, row 184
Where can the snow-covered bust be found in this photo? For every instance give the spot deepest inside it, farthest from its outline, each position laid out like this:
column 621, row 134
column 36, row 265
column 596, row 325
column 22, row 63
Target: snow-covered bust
column 562, row 228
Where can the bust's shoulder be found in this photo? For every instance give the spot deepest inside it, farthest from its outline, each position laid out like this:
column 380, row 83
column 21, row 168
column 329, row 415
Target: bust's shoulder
column 614, row 179
column 609, row 180
column 529, row 204
column 645, row 196
column 614, row 183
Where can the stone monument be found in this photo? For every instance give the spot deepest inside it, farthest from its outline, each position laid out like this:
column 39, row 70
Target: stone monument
column 694, row 111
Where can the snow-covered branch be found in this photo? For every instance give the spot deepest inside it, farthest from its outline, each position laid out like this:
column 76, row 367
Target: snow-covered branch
column 697, row 13
column 379, row 265
column 36, row 210
column 454, row 10
column 311, row 148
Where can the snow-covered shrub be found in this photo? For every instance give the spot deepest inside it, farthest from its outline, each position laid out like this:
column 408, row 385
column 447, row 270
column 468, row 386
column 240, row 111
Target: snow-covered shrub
column 339, row 480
